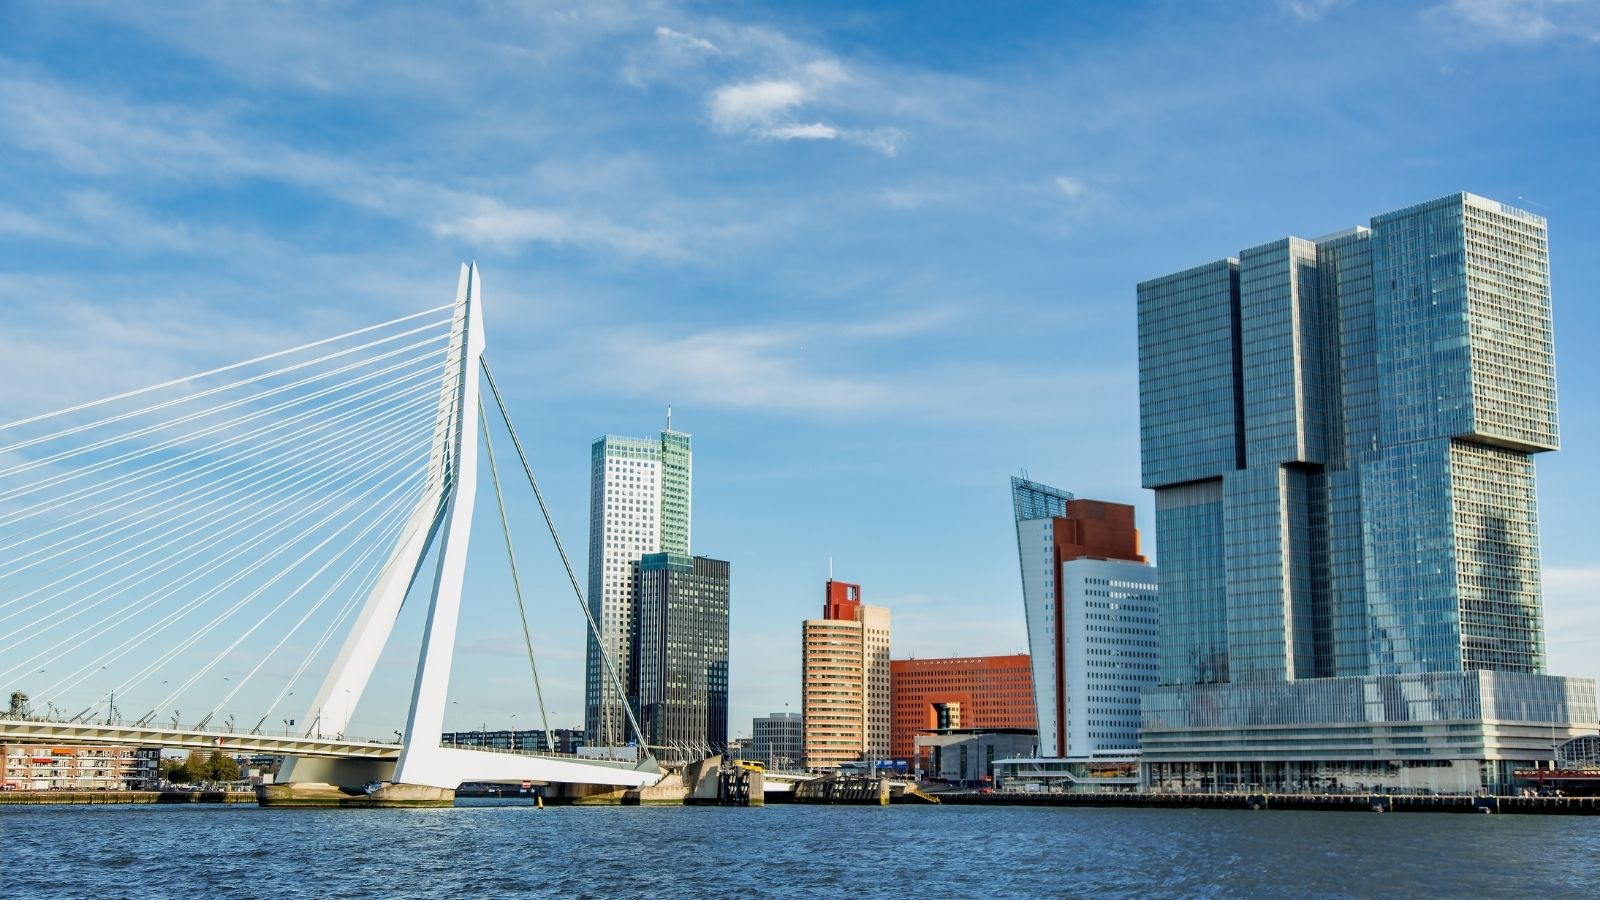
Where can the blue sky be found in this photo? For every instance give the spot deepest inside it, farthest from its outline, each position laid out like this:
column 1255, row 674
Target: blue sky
column 877, row 259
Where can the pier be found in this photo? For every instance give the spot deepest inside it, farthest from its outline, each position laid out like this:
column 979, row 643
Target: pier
column 1572, row 806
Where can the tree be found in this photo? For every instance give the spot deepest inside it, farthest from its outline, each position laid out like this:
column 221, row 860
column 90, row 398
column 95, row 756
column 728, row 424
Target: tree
column 174, row 771
column 221, row 767
column 195, row 767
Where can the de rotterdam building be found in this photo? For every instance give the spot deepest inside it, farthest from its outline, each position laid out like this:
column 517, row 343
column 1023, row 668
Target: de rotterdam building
column 1340, row 435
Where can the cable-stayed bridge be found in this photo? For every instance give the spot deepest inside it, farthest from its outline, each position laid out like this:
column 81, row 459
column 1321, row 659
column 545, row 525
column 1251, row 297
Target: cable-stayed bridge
column 241, row 541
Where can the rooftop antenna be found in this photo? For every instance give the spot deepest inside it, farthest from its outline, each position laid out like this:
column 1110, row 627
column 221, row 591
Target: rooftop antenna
column 669, row 416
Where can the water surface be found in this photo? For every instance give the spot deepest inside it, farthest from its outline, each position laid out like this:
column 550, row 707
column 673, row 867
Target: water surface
column 490, row 849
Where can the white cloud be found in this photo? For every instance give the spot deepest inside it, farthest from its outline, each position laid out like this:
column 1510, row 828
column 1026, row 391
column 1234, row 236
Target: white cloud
column 17, row 223
column 681, row 42
column 1309, row 10
column 1520, row 21
column 737, row 107
column 1572, row 620
column 1071, row 187
column 104, row 136
column 771, row 370
column 816, row 131
column 768, row 109
column 493, row 223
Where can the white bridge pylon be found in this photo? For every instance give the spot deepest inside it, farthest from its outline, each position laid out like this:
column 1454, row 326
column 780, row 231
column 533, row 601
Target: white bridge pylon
column 441, row 520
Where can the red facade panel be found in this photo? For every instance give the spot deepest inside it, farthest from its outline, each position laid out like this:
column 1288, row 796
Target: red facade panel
column 982, row 691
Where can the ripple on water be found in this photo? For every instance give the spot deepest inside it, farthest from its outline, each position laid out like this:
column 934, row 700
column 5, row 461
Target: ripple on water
column 784, row 851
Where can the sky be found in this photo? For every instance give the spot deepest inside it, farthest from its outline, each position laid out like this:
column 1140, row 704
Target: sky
column 878, row 258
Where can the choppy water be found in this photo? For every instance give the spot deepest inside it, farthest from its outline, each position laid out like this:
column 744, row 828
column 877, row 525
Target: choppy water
column 492, row 850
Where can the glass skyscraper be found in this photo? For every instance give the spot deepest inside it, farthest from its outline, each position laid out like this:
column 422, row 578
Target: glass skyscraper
column 639, row 503
column 678, row 670
column 1339, row 433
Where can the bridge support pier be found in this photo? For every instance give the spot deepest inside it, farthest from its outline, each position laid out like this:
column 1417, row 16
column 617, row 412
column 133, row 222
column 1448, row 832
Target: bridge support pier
column 389, row 796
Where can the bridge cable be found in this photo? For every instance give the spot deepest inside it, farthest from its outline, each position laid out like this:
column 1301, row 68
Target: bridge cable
column 516, row 577
column 133, row 494
column 217, row 371
column 348, row 438
column 549, row 521
column 40, row 484
column 318, row 478
column 204, row 570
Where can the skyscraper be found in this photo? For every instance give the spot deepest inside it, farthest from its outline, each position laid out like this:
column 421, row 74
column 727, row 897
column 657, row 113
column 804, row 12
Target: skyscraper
column 1339, row 433
column 1090, row 600
column 639, row 502
column 844, row 680
column 678, row 671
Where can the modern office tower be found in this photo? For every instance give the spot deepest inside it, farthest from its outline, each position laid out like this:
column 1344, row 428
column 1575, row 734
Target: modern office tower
column 1090, row 601
column 678, row 670
column 844, row 680
column 778, row 740
column 639, row 492
column 982, row 692
column 1340, row 435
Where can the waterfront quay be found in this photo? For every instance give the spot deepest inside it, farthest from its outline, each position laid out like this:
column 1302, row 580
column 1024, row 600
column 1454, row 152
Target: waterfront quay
column 1434, row 803
column 120, row 798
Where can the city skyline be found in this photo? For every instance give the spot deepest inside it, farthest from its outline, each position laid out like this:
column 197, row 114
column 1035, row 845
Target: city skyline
column 879, row 262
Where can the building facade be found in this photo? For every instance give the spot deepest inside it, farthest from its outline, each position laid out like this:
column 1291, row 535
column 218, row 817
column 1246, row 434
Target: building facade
column 844, row 680
column 678, row 669
column 983, row 692
column 778, row 740
column 48, row 767
column 639, row 503
column 1340, row 435
column 1090, row 600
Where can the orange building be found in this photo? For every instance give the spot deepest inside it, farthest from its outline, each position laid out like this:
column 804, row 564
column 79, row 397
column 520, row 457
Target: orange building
column 969, row 692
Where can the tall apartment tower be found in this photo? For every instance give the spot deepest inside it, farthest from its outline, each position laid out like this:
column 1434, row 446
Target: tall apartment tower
column 1090, row 600
column 639, row 491
column 1340, row 435
column 678, row 671
column 844, row 680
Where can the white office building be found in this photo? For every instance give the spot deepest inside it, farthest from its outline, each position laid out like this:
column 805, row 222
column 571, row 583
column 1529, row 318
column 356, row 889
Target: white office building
column 639, row 490
column 1090, row 601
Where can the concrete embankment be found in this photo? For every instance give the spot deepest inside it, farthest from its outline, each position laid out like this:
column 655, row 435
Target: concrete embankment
column 1572, row 806
column 81, row 798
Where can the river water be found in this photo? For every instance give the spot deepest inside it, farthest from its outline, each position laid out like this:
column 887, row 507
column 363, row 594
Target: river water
column 490, row 849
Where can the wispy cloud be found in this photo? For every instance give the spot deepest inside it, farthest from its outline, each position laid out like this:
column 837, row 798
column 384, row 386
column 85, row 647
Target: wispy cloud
column 1572, row 619
column 771, row 109
column 684, row 43
column 108, row 137
column 755, row 104
column 1071, row 188
column 1520, row 21
column 489, row 222
column 820, row 371
column 1310, row 10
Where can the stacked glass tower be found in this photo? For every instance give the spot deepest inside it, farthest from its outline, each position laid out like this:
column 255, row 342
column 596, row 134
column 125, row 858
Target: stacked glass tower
column 1339, row 433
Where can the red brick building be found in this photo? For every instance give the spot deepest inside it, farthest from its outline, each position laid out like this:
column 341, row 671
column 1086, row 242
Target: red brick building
column 969, row 692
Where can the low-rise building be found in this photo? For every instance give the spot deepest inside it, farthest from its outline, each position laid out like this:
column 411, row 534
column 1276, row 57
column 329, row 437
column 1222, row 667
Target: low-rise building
column 778, row 741
column 968, row 755
column 47, row 767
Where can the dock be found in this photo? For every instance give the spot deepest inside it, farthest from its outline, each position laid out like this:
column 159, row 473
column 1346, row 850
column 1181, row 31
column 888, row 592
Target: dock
column 1509, row 805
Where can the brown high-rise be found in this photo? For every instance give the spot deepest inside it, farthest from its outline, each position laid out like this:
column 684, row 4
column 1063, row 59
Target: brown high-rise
column 844, row 680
